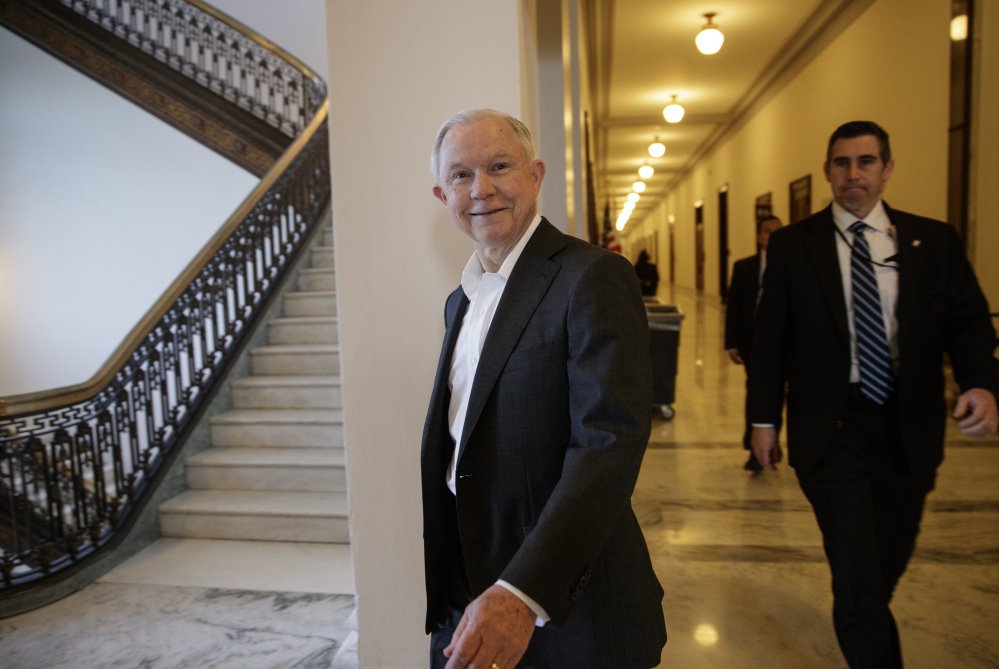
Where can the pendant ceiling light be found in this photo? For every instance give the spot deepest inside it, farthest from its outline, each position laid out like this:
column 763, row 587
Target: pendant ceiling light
column 709, row 41
column 657, row 149
column 646, row 171
column 673, row 112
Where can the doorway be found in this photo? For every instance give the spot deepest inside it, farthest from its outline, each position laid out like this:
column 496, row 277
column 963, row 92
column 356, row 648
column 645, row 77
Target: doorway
column 723, row 250
column 699, row 245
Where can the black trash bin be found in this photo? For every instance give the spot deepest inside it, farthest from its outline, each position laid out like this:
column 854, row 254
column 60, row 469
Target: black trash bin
column 664, row 335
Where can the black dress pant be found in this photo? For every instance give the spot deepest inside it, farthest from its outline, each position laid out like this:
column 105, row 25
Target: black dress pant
column 868, row 506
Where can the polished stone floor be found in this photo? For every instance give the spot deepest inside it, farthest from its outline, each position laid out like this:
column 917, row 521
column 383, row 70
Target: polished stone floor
column 739, row 555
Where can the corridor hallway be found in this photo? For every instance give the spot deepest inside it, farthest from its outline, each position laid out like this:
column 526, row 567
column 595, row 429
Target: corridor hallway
column 738, row 554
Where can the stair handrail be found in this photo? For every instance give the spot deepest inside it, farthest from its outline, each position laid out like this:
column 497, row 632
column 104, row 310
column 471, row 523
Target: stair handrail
column 218, row 52
column 77, row 462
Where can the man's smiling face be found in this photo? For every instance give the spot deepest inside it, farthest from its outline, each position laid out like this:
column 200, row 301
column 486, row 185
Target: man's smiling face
column 488, row 184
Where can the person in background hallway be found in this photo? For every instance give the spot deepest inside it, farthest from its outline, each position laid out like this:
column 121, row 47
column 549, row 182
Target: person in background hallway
column 740, row 313
column 855, row 318
column 538, row 422
column 648, row 274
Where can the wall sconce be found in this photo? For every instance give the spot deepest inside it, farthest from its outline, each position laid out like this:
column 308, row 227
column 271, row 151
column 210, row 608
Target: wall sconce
column 657, row 149
column 646, row 171
column 673, row 112
column 709, row 41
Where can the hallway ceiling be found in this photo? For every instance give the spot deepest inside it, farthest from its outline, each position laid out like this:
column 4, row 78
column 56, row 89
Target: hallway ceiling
column 644, row 52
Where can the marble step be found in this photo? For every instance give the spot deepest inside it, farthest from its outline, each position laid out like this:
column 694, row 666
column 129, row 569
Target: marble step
column 311, row 303
column 303, row 330
column 326, row 238
column 316, row 278
column 290, row 359
column 322, row 256
column 273, row 566
column 302, row 391
column 278, row 428
column 288, row 469
column 256, row 515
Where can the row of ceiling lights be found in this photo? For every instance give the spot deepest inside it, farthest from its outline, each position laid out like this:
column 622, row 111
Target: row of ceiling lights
column 709, row 42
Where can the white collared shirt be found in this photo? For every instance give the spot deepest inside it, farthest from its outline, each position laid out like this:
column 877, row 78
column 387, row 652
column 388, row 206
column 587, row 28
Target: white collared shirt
column 483, row 290
column 884, row 246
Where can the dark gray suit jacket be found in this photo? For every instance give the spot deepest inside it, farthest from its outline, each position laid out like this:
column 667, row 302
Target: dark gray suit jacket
column 802, row 335
column 556, row 428
column 740, row 305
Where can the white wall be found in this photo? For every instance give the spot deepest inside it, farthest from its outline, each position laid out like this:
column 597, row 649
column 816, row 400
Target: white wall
column 397, row 70
column 96, row 219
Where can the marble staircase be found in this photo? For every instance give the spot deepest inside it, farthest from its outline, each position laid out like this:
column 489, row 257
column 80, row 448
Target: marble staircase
column 275, row 471
column 265, row 508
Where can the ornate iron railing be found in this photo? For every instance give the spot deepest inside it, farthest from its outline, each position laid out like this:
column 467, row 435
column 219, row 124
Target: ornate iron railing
column 77, row 462
column 218, row 53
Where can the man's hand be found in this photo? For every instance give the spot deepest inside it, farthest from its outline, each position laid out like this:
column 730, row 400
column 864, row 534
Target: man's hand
column 495, row 629
column 976, row 413
column 733, row 355
column 763, row 442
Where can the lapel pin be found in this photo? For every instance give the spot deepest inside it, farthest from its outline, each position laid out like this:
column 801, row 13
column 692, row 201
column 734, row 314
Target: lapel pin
column 916, row 243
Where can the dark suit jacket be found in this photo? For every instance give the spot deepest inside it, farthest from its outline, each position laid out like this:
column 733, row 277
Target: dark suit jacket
column 803, row 337
column 557, row 424
column 740, row 305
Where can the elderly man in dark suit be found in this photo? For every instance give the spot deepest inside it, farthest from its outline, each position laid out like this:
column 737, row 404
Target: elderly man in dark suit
column 538, row 422
column 740, row 313
column 860, row 303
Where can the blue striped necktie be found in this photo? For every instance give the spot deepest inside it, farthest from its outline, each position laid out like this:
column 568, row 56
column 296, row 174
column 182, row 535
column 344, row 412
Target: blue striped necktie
column 869, row 325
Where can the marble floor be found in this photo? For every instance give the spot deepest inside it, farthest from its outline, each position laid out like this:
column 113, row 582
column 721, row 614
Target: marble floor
column 740, row 556
column 738, row 553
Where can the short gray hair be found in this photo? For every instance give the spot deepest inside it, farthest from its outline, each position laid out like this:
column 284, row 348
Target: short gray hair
column 520, row 133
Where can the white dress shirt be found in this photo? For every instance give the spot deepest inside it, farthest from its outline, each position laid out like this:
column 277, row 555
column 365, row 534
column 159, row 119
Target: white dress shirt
column 483, row 290
column 884, row 247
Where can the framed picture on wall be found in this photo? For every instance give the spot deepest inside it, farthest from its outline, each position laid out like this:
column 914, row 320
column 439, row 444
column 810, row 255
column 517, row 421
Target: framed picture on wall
column 800, row 192
column 764, row 206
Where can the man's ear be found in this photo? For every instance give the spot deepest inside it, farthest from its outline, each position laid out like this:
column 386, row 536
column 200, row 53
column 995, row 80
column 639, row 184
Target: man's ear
column 538, row 172
column 889, row 169
column 439, row 194
column 825, row 170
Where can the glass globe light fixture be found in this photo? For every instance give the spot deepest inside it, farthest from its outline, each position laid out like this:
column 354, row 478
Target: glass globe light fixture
column 638, row 186
column 634, row 197
column 673, row 112
column 657, row 149
column 646, row 171
column 709, row 41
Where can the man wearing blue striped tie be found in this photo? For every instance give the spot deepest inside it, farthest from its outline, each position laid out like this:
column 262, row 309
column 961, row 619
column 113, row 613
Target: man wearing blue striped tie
column 860, row 303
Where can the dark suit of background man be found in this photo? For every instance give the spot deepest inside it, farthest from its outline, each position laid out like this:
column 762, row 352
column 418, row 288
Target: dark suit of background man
column 740, row 313
column 544, row 383
column 866, row 464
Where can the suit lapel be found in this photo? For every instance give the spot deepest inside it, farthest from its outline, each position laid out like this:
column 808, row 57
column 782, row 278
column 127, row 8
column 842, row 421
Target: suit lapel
column 436, row 437
column 527, row 285
column 820, row 244
column 910, row 263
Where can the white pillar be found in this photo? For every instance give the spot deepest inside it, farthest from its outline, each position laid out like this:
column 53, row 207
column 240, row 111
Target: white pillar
column 397, row 70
